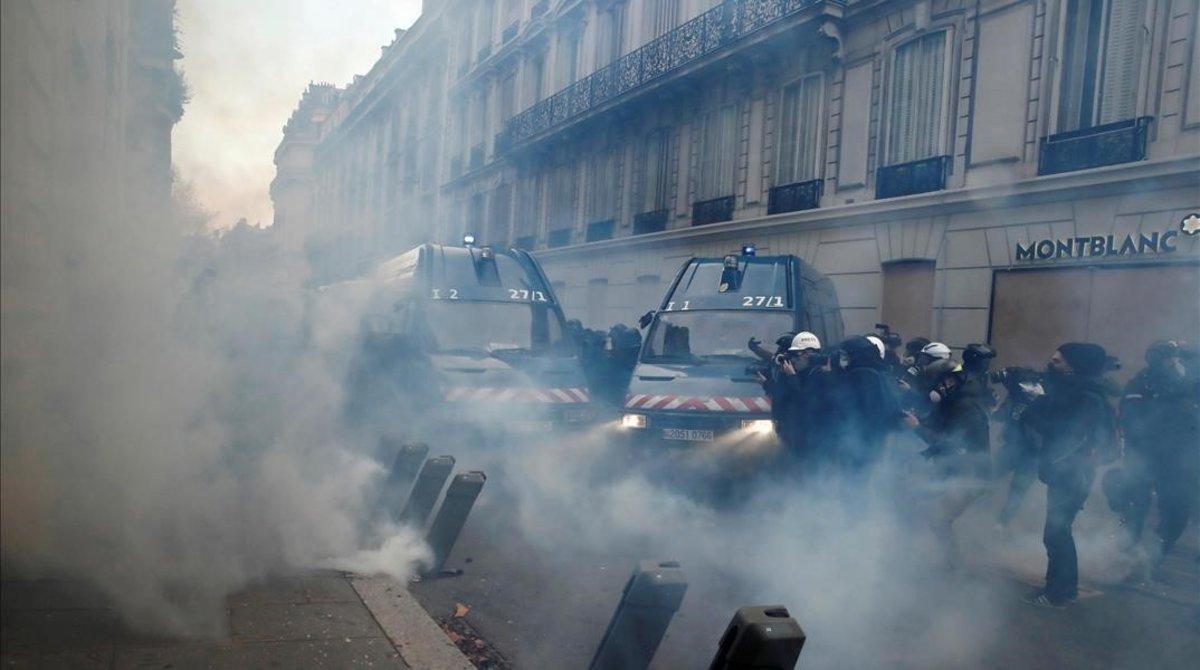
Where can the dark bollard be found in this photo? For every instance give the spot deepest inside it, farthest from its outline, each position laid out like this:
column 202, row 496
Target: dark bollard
column 760, row 638
column 425, row 492
column 452, row 516
column 405, row 466
column 651, row 597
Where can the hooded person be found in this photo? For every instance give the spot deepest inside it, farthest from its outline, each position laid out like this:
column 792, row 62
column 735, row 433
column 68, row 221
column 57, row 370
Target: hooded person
column 863, row 408
column 1160, row 413
column 956, row 431
column 1073, row 429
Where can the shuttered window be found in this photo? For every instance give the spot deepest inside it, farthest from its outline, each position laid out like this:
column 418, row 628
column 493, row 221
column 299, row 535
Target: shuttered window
column 529, row 208
column 1102, row 57
column 498, row 223
column 799, row 130
column 568, row 58
column 655, row 171
column 718, row 150
column 562, row 198
column 915, row 106
column 659, row 16
column 610, row 35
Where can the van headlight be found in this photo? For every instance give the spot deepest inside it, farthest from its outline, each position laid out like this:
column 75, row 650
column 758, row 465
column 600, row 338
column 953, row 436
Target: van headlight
column 759, row 426
column 633, row 421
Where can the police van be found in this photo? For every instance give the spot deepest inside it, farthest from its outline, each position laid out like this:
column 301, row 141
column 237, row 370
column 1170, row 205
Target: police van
column 695, row 382
column 471, row 336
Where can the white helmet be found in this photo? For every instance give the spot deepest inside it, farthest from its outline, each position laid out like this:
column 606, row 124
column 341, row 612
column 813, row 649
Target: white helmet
column 805, row 340
column 936, row 351
column 878, row 345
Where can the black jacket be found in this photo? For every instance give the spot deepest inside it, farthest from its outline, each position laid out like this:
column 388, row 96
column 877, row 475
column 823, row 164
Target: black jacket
column 957, row 433
column 1073, row 429
column 1159, row 411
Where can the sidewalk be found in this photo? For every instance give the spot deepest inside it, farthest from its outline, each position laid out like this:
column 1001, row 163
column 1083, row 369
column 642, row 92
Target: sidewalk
column 311, row 620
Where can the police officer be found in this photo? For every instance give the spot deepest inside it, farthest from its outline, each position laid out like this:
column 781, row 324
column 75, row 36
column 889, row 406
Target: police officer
column 957, row 435
column 804, row 378
column 1160, row 413
column 1074, row 430
column 914, row 384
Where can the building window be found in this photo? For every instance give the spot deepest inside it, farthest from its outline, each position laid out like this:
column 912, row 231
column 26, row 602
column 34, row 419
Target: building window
column 537, row 77
column 610, row 35
column 562, row 198
column 718, row 150
column 800, row 131
column 529, row 212
column 918, row 86
column 498, row 232
column 508, row 92
column 659, row 16
column 654, row 166
column 1102, row 51
column 603, row 177
column 568, row 58
column 476, row 218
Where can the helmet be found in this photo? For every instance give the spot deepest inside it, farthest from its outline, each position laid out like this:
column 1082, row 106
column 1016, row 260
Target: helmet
column 977, row 353
column 915, row 345
column 1161, row 350
column 936, row 351
column 805, row 340
column 874, row 339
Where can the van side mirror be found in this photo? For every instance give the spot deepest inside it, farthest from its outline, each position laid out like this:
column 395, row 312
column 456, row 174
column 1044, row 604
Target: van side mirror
column 646, row 319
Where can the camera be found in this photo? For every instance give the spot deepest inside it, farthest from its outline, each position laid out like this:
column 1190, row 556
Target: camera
column 1011, row 377
column 891, row 339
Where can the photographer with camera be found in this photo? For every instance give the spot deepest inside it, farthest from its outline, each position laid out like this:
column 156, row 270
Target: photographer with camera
column 1074, row 430
column 1160, row 417
column 795, row 384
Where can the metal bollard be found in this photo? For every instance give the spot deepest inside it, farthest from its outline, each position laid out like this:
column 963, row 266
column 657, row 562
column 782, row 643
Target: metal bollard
column 650, row 599
column 760, row 638
column 452, row 516
column 425, row 491
column 405, row 466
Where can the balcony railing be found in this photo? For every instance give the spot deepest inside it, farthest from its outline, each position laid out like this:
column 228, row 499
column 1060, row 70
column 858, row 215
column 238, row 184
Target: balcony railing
column 719, row 27
column 484, row 52
column 1109, row 144
column 923, row 176
column 539, row 8
column 600, row 230
column 650, row 222
column 525, row 242
column 712, row 211
column 558, row 238
column 795, row 197
column 510, row 32
column 476, row 156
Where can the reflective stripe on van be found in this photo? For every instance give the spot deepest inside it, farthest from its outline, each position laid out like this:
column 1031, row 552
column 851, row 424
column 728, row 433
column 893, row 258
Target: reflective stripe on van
column 516, row 394
column 649, row 401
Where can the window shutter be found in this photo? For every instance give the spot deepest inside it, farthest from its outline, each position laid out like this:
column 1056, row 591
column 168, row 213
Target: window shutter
column 914, row 120
column 788, row 134
column 1122, row 60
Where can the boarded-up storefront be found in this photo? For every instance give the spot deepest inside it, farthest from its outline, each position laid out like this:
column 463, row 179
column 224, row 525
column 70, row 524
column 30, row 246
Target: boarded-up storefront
column 1123, row 308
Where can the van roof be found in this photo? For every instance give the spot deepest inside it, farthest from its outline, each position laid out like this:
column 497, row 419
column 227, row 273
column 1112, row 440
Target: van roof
column 472, row 273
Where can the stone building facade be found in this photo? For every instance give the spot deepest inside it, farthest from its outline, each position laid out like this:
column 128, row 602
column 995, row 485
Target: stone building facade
column 969, row 171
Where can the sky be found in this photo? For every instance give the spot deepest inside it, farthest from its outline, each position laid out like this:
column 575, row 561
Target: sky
column 246, row 64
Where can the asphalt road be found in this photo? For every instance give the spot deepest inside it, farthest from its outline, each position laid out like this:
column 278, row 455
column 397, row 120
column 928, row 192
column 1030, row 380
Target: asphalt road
column 540, row 587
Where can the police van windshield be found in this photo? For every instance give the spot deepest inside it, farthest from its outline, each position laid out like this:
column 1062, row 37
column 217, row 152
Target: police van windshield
column 699, row 336
column 493, row 328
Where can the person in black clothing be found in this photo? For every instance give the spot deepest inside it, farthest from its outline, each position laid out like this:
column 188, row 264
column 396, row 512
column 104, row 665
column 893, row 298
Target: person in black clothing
column 1016, row 454
column 1160, row 413
column 801, row 392
column 862, row 406
column 1074, row 429
column 976, row 359
column 956, row 430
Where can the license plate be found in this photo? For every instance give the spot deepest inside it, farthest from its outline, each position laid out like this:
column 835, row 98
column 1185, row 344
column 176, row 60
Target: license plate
column 578, row 415
column 687, row 435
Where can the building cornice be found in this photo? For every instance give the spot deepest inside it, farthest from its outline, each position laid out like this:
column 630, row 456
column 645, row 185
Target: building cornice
column 1177, row 171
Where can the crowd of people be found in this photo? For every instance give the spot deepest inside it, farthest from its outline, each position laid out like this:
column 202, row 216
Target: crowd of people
column 839, row 408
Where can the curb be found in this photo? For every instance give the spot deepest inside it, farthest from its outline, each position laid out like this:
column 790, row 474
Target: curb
column 415, row 635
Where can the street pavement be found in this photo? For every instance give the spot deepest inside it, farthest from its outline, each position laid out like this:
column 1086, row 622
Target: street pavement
column 307, row 620
column 543, row 608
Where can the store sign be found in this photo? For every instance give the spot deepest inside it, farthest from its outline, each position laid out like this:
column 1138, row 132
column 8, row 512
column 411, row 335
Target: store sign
column 1098, row 246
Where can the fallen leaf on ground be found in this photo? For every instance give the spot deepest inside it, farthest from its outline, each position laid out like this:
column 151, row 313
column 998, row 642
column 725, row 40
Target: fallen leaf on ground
column 461, row 610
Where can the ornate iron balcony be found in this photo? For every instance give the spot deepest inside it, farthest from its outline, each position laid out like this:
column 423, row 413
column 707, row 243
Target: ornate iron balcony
column 539, row 8
column 525, row 242
column 600, row 230
column 719, row 27
column 795, row 197
column 476, row 156
column 484, row 52
column 1109, row 144
column 510, row 31
column 712, row 211
column 923, row 176
column 558, row 238
column 650, row 222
